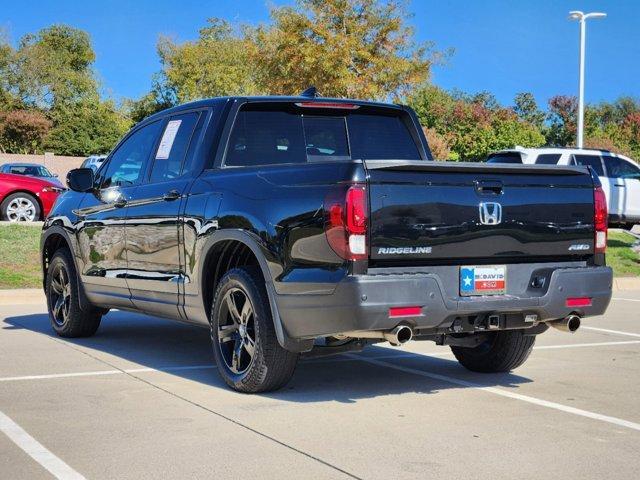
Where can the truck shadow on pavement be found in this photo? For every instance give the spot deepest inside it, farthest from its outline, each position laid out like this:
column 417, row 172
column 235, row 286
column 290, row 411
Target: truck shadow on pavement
column 151, row 342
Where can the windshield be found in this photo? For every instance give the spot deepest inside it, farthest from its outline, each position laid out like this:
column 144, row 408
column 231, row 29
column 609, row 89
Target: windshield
column 30, row 170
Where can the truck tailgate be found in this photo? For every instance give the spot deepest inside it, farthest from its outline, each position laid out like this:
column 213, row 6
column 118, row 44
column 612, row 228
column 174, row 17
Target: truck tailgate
column 454, row 213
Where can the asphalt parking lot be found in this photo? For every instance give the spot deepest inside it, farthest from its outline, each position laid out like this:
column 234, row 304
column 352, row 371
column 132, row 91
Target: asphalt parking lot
column 141, row 400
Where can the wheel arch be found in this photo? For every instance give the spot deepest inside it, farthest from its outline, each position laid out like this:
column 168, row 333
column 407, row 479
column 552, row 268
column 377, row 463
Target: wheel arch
column 53, row 239
column 228, row 249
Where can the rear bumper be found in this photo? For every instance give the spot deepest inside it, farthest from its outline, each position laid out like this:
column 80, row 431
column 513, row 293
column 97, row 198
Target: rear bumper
column 363, row 302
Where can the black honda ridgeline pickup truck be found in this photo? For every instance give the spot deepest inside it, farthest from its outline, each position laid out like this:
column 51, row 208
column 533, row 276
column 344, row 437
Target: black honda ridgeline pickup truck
column 306, row 226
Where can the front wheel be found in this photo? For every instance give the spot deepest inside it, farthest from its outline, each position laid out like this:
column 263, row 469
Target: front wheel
column 65, row 314
column 248, row 355
column 20, row 207
column 502, row 352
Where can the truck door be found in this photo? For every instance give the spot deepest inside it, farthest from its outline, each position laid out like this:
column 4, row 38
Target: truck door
column 153, row 225
column 102, row 213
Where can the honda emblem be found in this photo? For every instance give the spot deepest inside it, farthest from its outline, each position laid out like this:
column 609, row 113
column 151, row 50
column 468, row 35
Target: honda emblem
column 490, row 213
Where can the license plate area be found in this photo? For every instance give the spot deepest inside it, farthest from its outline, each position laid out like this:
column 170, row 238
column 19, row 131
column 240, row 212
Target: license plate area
column 483, row 280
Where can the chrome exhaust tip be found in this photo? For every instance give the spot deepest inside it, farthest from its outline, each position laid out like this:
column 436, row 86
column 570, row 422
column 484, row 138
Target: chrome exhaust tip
column 570, row 323
column 399, row 335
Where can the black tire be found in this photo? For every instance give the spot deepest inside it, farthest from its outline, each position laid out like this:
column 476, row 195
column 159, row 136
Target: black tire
column 66, row 316
column 20, row 197
column 502, row 352
column 270, row 366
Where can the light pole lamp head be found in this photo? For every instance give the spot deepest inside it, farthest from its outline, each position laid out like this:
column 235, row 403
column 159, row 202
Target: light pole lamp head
column 576, row 15
column 581, row 16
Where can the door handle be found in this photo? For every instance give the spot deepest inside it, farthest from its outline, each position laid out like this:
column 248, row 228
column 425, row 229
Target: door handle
column 171, row 195
column 620, row 185
column 488, row 187
column 120, row 203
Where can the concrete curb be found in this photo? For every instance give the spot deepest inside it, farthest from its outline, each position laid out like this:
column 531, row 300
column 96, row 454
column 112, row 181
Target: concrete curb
column 24, row 224
column 21, row 296
column 626, row 283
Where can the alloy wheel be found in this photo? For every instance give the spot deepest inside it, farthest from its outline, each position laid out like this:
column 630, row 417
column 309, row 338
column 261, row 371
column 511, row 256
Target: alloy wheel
column 60, row 295
column 236, row 331
column 21, row 209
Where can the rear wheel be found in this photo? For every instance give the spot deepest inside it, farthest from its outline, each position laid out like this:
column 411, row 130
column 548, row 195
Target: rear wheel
column 20, row 207
column 65, row 314
column 248, row 355
column 502, row 352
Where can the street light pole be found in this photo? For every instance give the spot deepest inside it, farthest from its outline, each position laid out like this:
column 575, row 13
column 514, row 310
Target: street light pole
column 582, row 18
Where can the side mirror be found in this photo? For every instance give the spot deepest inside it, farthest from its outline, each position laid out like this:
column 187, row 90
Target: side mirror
column 80, row 179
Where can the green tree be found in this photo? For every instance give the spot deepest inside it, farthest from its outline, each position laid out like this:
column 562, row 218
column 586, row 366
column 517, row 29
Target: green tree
column 53, row 67
column 51, row 74
column 216, row 64
column 472, row 125
column 562, row 118
column 526, row 108
column 86, row 127
column 22, row 131
column 160, row 97
column 347, row 48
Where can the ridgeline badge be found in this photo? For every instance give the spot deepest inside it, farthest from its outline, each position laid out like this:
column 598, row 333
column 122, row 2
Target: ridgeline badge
column 403, row 250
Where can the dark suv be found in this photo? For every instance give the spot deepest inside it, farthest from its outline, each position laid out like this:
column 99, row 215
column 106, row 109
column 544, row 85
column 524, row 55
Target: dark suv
column 299, row 224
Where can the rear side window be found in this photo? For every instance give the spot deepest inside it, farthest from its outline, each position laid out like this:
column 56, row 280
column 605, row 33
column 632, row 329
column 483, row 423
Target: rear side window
column 507, row 157
column 266, row 138
column 592, row 161
column 174, row 142
column 618, row 168
column 548, row 159
column 262, row 136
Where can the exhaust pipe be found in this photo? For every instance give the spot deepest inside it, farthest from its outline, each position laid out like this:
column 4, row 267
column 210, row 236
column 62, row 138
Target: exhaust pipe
column 398, row 336
column 570, row 323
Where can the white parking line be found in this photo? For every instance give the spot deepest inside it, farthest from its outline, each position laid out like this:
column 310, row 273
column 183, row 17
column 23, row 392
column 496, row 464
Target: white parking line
column 626, row 299
column 36, row 450
column 617, row 332
column 578, row 345
column 106, row 372
column 344, row 358
column 503, row 393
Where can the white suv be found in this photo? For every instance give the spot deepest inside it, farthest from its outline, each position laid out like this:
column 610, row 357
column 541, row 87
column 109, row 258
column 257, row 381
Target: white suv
column 620, row 176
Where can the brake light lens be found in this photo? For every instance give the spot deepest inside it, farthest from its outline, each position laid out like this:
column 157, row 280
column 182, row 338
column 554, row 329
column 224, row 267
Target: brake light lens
column 334, row 105
column 346, row 226
column 404, row 311
column 578, row 302
column 600, row 219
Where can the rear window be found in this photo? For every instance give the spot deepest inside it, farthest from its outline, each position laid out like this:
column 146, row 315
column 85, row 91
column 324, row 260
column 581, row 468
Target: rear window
column 592, row 161
column 506, row 157
column 548, row 159
column 279, row 135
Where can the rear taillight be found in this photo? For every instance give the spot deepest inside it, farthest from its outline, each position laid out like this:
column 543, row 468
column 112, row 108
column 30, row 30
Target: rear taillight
column 346, row 225
column 600, row 219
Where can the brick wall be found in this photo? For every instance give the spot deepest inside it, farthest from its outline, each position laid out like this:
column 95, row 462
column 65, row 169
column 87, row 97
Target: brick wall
column 59, row 164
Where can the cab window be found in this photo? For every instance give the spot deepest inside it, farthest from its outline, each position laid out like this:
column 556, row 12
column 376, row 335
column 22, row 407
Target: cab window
column 592, row 161
column 172, row 149
column 548, row 159
column 127, row 164
column 619, row 168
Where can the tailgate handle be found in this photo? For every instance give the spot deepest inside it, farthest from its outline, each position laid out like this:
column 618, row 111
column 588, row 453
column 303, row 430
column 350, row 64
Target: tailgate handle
column 488, row 187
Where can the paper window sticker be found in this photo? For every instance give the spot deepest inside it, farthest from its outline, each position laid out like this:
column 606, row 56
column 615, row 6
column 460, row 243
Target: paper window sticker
column 169, row 135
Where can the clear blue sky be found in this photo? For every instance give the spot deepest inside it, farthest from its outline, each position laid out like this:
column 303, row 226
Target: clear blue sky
column 501, row 46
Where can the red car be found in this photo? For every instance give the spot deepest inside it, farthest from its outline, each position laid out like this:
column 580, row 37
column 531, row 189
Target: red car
column 26, row 199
